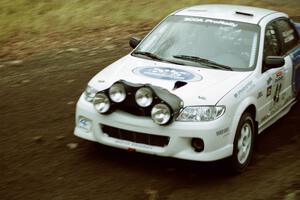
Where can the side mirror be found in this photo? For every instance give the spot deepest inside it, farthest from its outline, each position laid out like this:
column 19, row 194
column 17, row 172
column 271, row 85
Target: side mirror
column 272, row 62
column 134, row 41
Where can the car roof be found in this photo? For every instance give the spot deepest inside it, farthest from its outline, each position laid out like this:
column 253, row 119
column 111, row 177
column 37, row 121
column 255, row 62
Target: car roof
column 227, row 12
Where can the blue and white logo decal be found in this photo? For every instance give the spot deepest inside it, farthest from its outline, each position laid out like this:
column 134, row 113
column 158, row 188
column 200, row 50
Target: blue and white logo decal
column 166, row 73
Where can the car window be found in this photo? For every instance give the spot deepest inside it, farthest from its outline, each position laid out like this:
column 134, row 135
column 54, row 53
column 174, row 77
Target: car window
column 272, row 43
column 289, row 35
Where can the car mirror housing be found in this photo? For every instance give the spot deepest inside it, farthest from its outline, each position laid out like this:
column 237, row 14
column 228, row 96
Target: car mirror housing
column 134, row 41
column 272, row 62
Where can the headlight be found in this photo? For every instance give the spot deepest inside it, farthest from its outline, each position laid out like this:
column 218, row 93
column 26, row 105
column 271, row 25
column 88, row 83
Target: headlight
column 117, row 93
column 90, row 93
column 161, row 114
column 101, row 103
column 201, row 113
column 144, row 97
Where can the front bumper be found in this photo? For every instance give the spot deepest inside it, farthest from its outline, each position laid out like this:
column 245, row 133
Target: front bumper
column 180, row 134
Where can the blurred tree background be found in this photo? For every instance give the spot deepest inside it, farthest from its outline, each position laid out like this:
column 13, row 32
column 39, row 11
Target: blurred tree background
column 29, row 26
column 42, row 16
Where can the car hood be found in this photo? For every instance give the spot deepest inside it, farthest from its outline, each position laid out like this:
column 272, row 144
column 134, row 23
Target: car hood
column 203, row 86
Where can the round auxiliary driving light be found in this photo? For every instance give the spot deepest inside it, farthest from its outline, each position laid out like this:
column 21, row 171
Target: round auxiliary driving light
column 161, row 114
column 144, row 97
column 101, row 103
column 117, row 93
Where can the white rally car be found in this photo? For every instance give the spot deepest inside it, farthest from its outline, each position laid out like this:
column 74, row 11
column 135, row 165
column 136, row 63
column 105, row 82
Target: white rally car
column 200, row 86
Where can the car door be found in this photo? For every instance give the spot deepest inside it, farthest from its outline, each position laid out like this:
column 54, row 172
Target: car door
column 291, row 47
column 276, row 89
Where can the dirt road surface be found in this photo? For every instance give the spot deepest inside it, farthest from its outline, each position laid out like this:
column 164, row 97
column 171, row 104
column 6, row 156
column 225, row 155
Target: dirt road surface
column 40, row 158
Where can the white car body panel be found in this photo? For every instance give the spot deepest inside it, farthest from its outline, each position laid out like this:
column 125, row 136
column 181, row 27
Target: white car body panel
column 235, row 89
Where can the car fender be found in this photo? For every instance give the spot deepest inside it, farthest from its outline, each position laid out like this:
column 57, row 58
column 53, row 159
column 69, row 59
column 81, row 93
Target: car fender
column 236, row 111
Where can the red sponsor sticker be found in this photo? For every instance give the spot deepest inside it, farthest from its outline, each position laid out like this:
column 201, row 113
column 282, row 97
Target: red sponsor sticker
column 279, row 75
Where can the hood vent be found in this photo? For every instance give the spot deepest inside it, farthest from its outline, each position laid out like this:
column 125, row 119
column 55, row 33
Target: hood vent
column 179, row 84
column 244, row 13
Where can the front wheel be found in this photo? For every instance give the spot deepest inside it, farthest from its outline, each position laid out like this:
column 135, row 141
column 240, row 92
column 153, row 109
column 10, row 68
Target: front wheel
column 243, row 144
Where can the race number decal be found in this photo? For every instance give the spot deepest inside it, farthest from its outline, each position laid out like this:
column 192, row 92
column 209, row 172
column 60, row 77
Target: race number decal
column 277, row 93
column 279, row 76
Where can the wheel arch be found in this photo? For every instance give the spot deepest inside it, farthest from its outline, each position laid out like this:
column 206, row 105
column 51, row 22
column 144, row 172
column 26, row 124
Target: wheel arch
column 247, row 105
column 252, row 110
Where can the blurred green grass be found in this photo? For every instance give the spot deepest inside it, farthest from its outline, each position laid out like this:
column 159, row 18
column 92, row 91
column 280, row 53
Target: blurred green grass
column 36, row 17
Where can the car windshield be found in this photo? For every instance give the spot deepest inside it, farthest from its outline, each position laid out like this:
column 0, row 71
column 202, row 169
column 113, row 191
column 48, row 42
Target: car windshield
column 203, row 42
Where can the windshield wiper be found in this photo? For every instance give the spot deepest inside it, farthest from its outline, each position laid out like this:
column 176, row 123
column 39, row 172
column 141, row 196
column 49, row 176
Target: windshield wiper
column 155, row 57
column 204, row 61
column 148, row 54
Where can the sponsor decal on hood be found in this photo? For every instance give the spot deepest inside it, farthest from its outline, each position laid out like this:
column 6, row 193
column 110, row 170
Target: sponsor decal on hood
column 166, row 73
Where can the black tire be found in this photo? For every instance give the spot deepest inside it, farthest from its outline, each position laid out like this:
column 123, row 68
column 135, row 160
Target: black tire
column 237, row 164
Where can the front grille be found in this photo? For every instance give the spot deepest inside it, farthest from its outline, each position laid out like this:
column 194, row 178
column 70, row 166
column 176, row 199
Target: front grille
column 154, row 140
